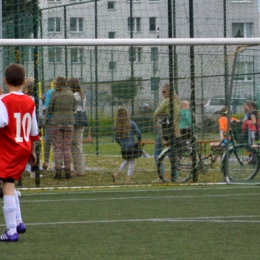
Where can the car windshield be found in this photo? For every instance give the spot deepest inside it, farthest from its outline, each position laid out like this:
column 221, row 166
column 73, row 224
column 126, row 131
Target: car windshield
column 221, row 102
column 217, row 102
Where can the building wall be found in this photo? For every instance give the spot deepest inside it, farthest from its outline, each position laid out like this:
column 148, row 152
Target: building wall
column 209, row 61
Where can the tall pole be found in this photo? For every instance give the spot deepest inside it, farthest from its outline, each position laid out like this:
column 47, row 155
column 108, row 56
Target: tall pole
column 192, row 87
column 112, row 82
column 96, row 78
column 16, row 28
column 65, row 36
column 173, row 153
column 42, row 50
column 175, row 65
column 225, row 51
column 91, row 84
column 36, row 84
column 132, row 51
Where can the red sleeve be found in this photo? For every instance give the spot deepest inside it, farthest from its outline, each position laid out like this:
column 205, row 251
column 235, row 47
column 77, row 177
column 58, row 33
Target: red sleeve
column 35, row 138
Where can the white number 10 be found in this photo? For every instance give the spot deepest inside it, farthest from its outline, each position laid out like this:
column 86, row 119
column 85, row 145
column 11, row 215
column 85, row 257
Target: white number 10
column 26, row 124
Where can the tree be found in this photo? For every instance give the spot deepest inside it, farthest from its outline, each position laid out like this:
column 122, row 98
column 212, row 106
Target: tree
column 17, row 18
column 125, row 89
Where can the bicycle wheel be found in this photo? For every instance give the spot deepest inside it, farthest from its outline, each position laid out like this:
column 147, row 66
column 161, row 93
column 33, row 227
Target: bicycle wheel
column 243, row 163
column 161, row 159
column 184, row 170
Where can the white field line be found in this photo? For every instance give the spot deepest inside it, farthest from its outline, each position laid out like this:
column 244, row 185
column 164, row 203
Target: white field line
column 112, row 189
column 141, row 198
column 210, row 219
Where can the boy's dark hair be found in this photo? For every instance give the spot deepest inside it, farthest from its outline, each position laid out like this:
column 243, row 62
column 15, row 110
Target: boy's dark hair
column 15, row 74
column 222, row 111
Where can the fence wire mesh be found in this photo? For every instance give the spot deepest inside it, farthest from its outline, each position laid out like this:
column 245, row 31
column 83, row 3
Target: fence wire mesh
column 134, row 76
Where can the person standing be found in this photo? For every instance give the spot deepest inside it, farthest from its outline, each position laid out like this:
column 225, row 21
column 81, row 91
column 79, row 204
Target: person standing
column 125, row 132
column 18, row 136
column 162, row 113
column 47, row 128
column 250, row 122
column 77, row 147
column 185, row 123
column 185, row 119
column 61, row 108
column 28, row 88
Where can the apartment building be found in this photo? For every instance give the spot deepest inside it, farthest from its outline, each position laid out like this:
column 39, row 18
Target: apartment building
column 149, row 64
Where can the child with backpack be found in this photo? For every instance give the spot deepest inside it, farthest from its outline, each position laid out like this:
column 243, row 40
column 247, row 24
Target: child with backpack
column 125, row 132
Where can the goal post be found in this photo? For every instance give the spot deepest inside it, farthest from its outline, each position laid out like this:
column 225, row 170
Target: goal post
column 131, row 73
column 131, row 42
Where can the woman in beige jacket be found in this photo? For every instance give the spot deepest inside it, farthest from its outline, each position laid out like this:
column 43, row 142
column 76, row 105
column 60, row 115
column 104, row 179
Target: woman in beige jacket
column 61, row 108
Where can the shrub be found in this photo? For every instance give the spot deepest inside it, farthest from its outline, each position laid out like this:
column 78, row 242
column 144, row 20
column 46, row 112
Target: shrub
column 105, row 126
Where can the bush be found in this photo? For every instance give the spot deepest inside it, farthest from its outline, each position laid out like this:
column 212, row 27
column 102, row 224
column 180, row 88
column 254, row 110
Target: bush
column 105, row 126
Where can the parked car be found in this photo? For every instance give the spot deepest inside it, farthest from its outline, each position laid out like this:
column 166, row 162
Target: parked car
column 216, row 103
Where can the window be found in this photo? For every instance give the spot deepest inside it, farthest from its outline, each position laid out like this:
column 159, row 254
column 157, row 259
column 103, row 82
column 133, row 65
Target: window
column 54, row 24
column 241, row 1
column 111, row 5
column 54, row 54
column 76, row 24
column 112, row 65
column 152, row 24
column 155, row 82
column 154, row 53
column 111, row 35
column 135, row 22
column 135, row 53
column 244, row 71
column 243, row 30
column 76, row 55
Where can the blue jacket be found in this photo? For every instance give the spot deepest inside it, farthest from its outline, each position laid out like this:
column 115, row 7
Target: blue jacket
column 129, row 141
column 47, row 100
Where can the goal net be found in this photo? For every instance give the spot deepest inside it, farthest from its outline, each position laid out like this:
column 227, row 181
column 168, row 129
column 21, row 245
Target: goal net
column 206, row 75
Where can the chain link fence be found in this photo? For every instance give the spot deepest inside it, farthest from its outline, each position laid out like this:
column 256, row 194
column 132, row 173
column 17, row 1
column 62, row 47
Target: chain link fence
column 133, row 76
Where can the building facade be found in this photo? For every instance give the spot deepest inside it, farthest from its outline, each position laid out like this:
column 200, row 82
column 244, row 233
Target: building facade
column 149, row 65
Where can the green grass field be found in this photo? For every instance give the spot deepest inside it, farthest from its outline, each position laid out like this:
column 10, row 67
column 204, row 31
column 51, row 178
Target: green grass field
column 158, row 222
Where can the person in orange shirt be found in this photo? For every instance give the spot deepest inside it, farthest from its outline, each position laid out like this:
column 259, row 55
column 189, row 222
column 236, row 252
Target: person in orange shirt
column 223, row 122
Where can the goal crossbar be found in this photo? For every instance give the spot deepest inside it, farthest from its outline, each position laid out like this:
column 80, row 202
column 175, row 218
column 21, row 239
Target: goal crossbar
column 130, row 42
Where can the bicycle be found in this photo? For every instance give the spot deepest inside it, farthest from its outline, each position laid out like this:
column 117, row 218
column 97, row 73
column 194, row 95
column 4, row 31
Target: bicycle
column 240, row 162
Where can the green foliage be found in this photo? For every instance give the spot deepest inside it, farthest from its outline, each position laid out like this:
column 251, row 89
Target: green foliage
column 239, row 115
column 105, row 126
column 18, row 18
column 9, row 7
column 125, row 89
